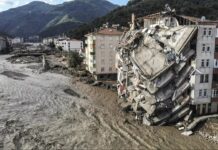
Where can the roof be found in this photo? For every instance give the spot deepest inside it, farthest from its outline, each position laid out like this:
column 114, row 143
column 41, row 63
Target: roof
column 106, row 31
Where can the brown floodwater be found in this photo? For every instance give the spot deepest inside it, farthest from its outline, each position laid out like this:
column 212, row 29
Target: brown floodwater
column 53, row 111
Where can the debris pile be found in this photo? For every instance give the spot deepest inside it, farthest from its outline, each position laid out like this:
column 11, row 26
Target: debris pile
column 154, row 71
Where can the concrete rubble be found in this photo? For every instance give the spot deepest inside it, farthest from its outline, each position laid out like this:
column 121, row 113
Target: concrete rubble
column 154, row 72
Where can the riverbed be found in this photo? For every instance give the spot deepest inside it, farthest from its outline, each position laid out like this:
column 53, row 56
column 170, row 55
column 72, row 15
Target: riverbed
column 54, row 111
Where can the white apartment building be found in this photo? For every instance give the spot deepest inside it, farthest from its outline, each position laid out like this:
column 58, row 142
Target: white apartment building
column 204, row 82
column 47, row 41
column 17, row 40
column 69, row 45
column 100, row 54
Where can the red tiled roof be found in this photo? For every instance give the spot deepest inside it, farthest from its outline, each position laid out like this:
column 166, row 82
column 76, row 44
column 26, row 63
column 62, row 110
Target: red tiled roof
column 109, row 31
column 106, row 31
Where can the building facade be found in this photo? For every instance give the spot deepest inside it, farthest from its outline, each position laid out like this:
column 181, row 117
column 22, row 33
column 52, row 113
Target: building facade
column 204, row 81
column 100, row 54
column 69, row 45
column 17, row 40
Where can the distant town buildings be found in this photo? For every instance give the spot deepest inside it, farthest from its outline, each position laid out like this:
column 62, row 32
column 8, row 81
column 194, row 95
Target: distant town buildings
column 17, row 40
column 70, row 45
column 48, row 41
column 100, row 54
column 65, row 43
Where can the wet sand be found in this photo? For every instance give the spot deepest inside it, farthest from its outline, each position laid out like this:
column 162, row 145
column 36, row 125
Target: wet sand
column 53, row 111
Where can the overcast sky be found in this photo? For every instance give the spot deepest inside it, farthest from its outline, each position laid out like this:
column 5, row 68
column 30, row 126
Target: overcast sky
column 7, row 4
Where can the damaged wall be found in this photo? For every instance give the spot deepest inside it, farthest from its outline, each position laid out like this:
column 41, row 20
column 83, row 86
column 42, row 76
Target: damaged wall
column 156, row 70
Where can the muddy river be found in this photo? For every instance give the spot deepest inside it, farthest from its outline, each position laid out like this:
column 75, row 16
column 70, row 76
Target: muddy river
column 52, row 111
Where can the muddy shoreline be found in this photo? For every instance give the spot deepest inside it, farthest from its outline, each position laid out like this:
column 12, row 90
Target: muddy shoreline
column 53, row 111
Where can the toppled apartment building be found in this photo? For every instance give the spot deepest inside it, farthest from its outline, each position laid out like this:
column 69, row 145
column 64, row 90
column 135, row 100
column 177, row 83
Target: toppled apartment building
column 167, row 68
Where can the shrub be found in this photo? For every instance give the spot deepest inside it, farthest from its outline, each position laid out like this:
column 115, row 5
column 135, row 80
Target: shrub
column 74, row 60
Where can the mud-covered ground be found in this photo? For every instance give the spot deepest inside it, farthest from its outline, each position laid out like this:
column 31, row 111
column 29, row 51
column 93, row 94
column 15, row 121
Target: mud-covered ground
column 52, row 111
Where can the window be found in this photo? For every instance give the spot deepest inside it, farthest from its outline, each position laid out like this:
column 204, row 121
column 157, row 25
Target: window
column 205, row 31
column 216, row 48
column 204, row 78
column 102, row 69
column 200, row 93
column 208, row 49
column 210, row 32
column 207, row 63
column 203, row 48
column 217, row 108
column 215, row 93
column 205, row 93
column 202, row 63
column 209, row 108
column 198, row 109
column 110, row 69
column 204, row 109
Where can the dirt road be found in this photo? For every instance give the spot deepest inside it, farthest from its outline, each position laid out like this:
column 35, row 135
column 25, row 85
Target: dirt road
column 52, row 111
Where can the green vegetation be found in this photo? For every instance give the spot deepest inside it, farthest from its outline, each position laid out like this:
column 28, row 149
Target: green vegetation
column 122, row 15
column 39, row 18
column 51, row 45
column 74, row 60
column 60, row 48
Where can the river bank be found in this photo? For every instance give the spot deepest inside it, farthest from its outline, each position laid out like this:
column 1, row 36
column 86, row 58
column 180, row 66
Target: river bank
column 53, row 111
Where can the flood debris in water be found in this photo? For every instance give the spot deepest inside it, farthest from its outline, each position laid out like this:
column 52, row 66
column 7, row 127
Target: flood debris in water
column 14, row 75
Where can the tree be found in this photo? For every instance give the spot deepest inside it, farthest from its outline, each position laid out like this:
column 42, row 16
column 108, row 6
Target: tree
column 74, row 59
column 60, row 48
column 52, row 45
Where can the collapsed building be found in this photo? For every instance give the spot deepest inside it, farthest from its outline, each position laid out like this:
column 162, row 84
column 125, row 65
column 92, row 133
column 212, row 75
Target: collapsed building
column 167, row 68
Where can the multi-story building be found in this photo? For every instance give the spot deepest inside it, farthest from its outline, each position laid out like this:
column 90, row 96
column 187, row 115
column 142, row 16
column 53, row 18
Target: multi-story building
column 47, row 41
column 17, row 40
column 70, row 45
column 100, row 54
column 204, row 81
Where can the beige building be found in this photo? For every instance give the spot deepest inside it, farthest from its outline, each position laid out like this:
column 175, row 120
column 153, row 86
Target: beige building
column 100, row 54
